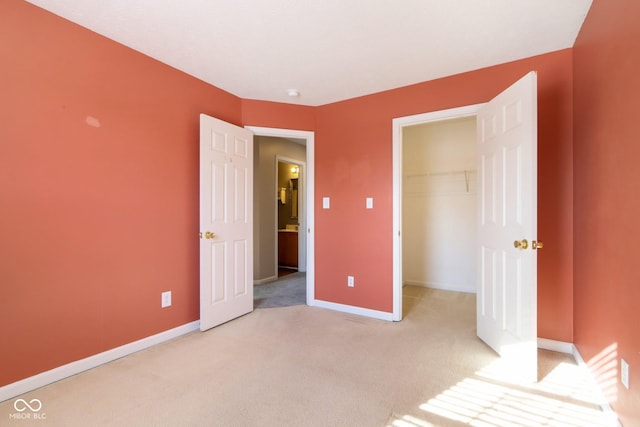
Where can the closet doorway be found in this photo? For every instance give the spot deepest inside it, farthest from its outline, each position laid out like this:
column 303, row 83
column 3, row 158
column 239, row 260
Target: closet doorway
column 435, row 202
column 439, row 205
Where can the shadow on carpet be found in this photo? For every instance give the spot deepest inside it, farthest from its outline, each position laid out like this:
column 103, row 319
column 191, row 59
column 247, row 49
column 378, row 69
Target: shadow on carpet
column 284, row 292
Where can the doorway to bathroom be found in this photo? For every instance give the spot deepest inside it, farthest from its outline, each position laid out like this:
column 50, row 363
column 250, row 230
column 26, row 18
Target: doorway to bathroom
column 289, row 175
column 283, row 208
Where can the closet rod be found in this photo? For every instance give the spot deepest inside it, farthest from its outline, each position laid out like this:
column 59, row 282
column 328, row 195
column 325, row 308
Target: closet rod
column 461, row 172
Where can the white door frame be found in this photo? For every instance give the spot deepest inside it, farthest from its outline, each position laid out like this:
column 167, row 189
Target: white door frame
column 302, row 194
column 398, row 125
column 307, row 224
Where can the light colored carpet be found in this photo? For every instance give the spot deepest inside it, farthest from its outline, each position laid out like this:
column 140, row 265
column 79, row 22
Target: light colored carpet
column 304, row 366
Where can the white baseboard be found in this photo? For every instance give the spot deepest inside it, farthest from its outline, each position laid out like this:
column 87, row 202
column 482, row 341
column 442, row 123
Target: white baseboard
column 570, row 348
column 602, row 400
column 440, row 286
column 265, row 280
column 45, row 378
column 375, row 314
column 559, row 346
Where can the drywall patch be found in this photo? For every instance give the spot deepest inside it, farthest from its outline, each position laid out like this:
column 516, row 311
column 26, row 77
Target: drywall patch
column 93, row 122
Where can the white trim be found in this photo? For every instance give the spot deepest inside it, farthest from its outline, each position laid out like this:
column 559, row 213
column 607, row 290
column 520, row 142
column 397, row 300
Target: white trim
column 48, row 377
column 307, row 223
column 570, row 348
column 398, row 124
column 440, row 286
column 265, row 280
column 397, row 218
column 602, row 400
column 559, row 346
column 375, row 314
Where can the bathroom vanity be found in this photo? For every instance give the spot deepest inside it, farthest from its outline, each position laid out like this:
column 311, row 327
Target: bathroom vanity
column 288, row 248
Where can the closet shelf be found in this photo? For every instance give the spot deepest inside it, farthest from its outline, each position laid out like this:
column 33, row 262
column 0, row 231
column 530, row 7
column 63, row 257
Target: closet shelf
column 438, row 183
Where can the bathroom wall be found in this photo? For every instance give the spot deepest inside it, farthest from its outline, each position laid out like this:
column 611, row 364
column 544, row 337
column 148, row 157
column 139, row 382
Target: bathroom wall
column 264, row 201
column 439, row 205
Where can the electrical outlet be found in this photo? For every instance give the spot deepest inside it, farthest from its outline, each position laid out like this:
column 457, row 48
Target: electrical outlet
column 166, row 299
column 350, row 281
column 624, row 373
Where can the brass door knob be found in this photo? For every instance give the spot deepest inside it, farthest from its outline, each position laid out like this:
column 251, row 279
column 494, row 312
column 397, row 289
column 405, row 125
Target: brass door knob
column 209, row 235
column 521, row 244
column 536, row 244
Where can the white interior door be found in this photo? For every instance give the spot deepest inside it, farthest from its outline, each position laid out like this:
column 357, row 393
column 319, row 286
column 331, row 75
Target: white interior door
column 226, row 222
column 507, row 178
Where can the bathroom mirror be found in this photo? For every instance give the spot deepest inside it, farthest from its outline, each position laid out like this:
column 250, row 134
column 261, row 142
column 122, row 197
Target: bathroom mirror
column 287, row 193
column 293, row 183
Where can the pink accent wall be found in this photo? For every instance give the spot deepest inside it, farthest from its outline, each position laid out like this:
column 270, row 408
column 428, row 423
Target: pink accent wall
column 607, row 206
column 98, row 191
column 277, row 115
column 353, row 160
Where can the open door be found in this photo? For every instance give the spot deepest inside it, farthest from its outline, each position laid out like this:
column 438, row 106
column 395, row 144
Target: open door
column 226, row 222
column 507, row 261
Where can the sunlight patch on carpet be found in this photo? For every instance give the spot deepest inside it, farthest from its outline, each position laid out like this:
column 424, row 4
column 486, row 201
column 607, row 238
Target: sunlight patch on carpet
column 486, row 400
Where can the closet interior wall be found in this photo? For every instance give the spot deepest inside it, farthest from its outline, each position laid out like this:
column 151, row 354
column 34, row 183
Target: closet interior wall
column 439, row 205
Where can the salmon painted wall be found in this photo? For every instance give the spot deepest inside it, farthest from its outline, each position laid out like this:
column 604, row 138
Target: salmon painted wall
column 98, row 191
column 607, row 206
column 353, row 160
column 277, row 115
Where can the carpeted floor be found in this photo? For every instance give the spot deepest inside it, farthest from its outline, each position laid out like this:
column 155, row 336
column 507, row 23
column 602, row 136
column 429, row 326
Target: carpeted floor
column 286, row 291
column 306, row 366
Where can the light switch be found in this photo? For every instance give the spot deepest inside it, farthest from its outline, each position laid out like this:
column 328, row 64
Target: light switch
column 369, row 202
column 166, row 299
column 326, row 203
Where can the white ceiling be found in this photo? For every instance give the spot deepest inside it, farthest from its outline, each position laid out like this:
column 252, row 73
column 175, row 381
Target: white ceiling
column 329, row 50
